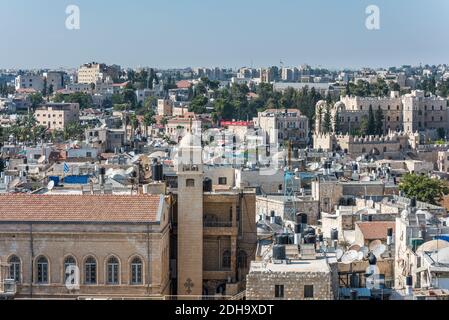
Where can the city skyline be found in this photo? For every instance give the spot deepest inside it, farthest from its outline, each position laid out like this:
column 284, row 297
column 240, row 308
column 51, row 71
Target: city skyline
column 175, row 35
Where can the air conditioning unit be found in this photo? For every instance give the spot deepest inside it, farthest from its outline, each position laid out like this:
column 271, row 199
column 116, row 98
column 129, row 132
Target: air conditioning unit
column 9, row 286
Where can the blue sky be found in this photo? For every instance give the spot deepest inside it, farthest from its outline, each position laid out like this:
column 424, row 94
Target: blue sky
column 227, row 33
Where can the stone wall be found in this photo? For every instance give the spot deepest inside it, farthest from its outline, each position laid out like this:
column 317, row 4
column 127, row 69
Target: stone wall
column 261, row 285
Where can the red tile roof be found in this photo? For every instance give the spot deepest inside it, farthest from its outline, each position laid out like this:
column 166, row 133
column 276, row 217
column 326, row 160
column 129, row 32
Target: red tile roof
column 374, row 230
column 80, row 208
column 183, row 84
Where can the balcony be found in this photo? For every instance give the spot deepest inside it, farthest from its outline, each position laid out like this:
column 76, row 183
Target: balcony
column 217, row 224
column 219, row 228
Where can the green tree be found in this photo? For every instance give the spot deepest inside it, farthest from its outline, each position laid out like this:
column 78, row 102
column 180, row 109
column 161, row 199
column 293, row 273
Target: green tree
column 371, row 127
column 363, row 129
column 337, row 122
column 379, row 121
column 327, row 121
column 149, row 120
column 423, row 188
column 44, row 90
column 36, row 99
column 198, row 104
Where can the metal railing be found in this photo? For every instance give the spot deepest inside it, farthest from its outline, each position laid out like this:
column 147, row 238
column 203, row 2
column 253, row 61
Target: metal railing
column 217, row 224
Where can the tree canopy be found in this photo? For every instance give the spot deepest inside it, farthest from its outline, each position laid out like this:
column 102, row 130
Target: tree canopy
column 423, row 188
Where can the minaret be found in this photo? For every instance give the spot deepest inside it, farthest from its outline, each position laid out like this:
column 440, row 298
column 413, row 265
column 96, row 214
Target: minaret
column 189, row 167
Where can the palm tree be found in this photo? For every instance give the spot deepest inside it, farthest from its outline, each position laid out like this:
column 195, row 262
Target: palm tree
column 148, row 120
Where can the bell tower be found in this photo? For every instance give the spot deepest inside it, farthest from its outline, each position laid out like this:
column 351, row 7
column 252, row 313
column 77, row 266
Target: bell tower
column 189, row 167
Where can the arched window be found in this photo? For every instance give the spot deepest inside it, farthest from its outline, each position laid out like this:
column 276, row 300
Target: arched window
column 69, row 262
column 136, row 271
column 113, row 270
column 90, row 271
column 242, row 260
column 226, row 262
column 42, row 270
column 14, row 268
column 385, row 149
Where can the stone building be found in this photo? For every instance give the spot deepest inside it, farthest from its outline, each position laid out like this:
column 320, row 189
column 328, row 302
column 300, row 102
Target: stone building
column 118, row 244
column 214, row 235
column 287, row 209
column 391, row 146
column 409, row 113
column 282, row 126
column 297, row 280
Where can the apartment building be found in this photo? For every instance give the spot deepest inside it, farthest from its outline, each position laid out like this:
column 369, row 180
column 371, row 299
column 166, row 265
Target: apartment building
column 57, row 115
column 29, row 81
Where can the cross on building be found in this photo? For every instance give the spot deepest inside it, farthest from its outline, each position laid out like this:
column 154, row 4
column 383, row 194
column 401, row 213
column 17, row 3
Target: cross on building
column 189, row 285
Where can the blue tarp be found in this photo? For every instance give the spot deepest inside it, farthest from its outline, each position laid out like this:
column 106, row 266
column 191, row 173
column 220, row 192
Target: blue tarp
column 442, row 237
column 55, row 179
column 361, row 292
column 76, row 179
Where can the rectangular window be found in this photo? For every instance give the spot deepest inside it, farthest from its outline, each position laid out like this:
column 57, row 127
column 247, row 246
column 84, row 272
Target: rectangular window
column 136, row 273
column 222, row 181
column 308, row 291
column 190, row 183
column 279, row 291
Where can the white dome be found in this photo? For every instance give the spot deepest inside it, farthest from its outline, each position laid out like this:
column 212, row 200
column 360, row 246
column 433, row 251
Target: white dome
column 190, row 140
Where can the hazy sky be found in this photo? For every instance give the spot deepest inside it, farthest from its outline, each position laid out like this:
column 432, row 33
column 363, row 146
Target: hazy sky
column 228, row 33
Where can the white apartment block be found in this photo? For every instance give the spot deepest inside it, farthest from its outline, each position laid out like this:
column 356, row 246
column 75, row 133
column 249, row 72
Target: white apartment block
column 29, row 81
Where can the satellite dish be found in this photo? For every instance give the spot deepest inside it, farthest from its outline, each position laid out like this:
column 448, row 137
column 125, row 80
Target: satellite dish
column 129, row 171
column 359, row 159
column 337, row 167
column 50, row 185
column 355, row 247
column 433, row 245
column 41, row 159
column 360, row 255
column 365, row 251
column 374, row 244
column 349, row 257
column 379, row 250
column 339, row 253
column 365, row 179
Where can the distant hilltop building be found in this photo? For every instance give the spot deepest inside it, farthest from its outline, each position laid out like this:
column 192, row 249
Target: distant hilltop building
column 409, row 113
column 97, row 72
